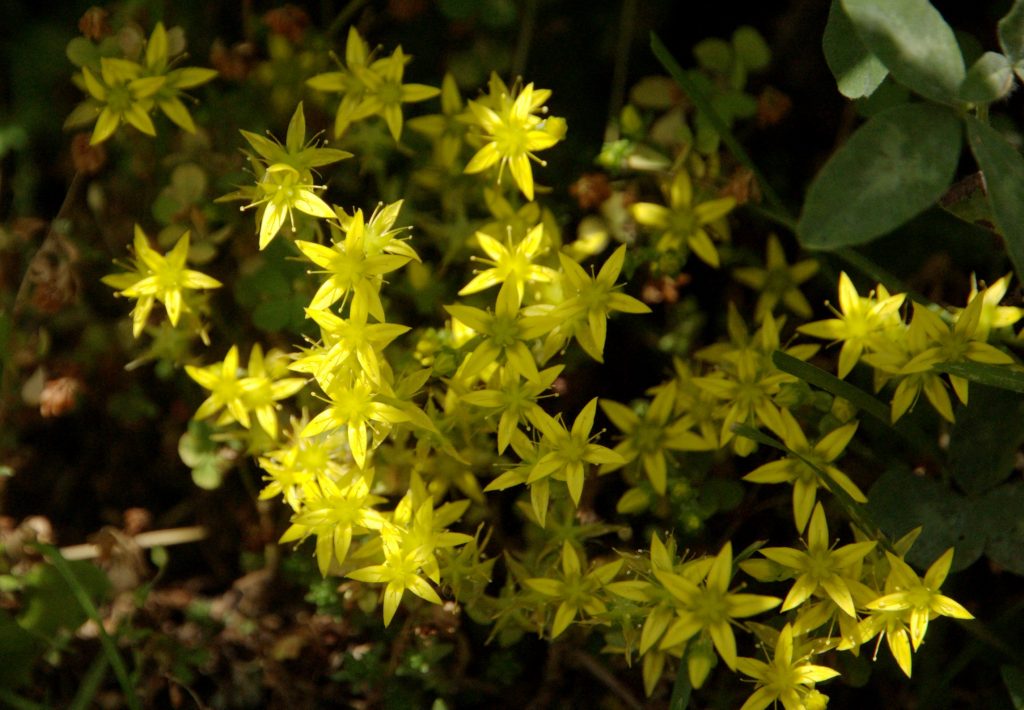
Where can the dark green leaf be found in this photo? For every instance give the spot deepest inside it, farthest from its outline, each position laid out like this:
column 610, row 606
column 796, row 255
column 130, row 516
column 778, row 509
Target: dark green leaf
column 887, row 95
column 858, row 72
column 1013, row 678
column 817, row 377
column 989, row 79
column 913, row 41
column 999, row 515
column 1004, row 177
column 19, row 650
column 50, row 604
column 81, row 52
column 714, row 54
column 750, row 47
column 900, row 501
column 896, row 165
column 1011, row 32
column 999, row 376
column 982, row 455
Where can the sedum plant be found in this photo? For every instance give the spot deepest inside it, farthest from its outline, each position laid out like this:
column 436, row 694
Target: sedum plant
column 426, row 329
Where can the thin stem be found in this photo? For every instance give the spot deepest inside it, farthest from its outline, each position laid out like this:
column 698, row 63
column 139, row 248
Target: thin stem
column 345, row 16
column 526, row 24
column 618, row 82
column 703, row 104
column 82, row 597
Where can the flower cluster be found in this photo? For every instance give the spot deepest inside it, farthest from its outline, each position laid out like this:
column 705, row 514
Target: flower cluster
column 388, row 442
column 125, row 90
column 905, row 354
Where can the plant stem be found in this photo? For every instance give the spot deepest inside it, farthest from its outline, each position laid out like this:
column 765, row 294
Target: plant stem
column 82, row 597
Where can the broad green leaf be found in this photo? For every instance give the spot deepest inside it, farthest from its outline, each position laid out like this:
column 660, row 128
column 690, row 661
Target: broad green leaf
column 858, row 72
column 982, row 455
column 887, row 95
column 900, row 501
column 897, row 164
column 1011, row 32
column 1004, row 177
column 913, row 41
column 19, row 650
column 989, row 79
column 50, row 603
column 999, row 515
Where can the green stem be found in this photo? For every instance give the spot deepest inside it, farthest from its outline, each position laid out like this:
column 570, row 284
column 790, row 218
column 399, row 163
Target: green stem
column 82, row 597
column 526, row 24
column 345, row 16
column 703, row 104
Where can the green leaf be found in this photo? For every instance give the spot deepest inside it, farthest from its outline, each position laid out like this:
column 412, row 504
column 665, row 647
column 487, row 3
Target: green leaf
column 81, row 52
column 681, row 689
column 989, row 79
column 999, row 515
column 1011, row 32
column 1004, row 177
column 50, row 604
column 1013, row 678
column 817, row 377
column 913, row 41
column 19, row 650
column 982, row 455
column 999, row 376
column 714, row 54
column 858, row 72
column 750, row 48
column 208, row 475
column 897, row 164
column 900, row 501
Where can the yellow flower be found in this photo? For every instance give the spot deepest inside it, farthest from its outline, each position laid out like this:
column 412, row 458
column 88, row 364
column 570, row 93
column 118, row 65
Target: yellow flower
column 651, row 436
column 348, row 82
column 576, row 591
column 333, row 516
column 919, row 598
column 512, row 133
column 400, row 572
column 126, row 96
column 256, row 392
column 385, row 93
column 511, row 264
column 800, row 470
column 778, row 282
column 591, row 299
column 505, row 334
column 354, row 405
column 860, row 323
column 567, row 451
column 167, row 97
column 785, row 679
column 350, row 270
column 286, row 178
column 159, row 278
column 684, row 223
column 447, row 131
column 820, row 569
column 711, row 607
